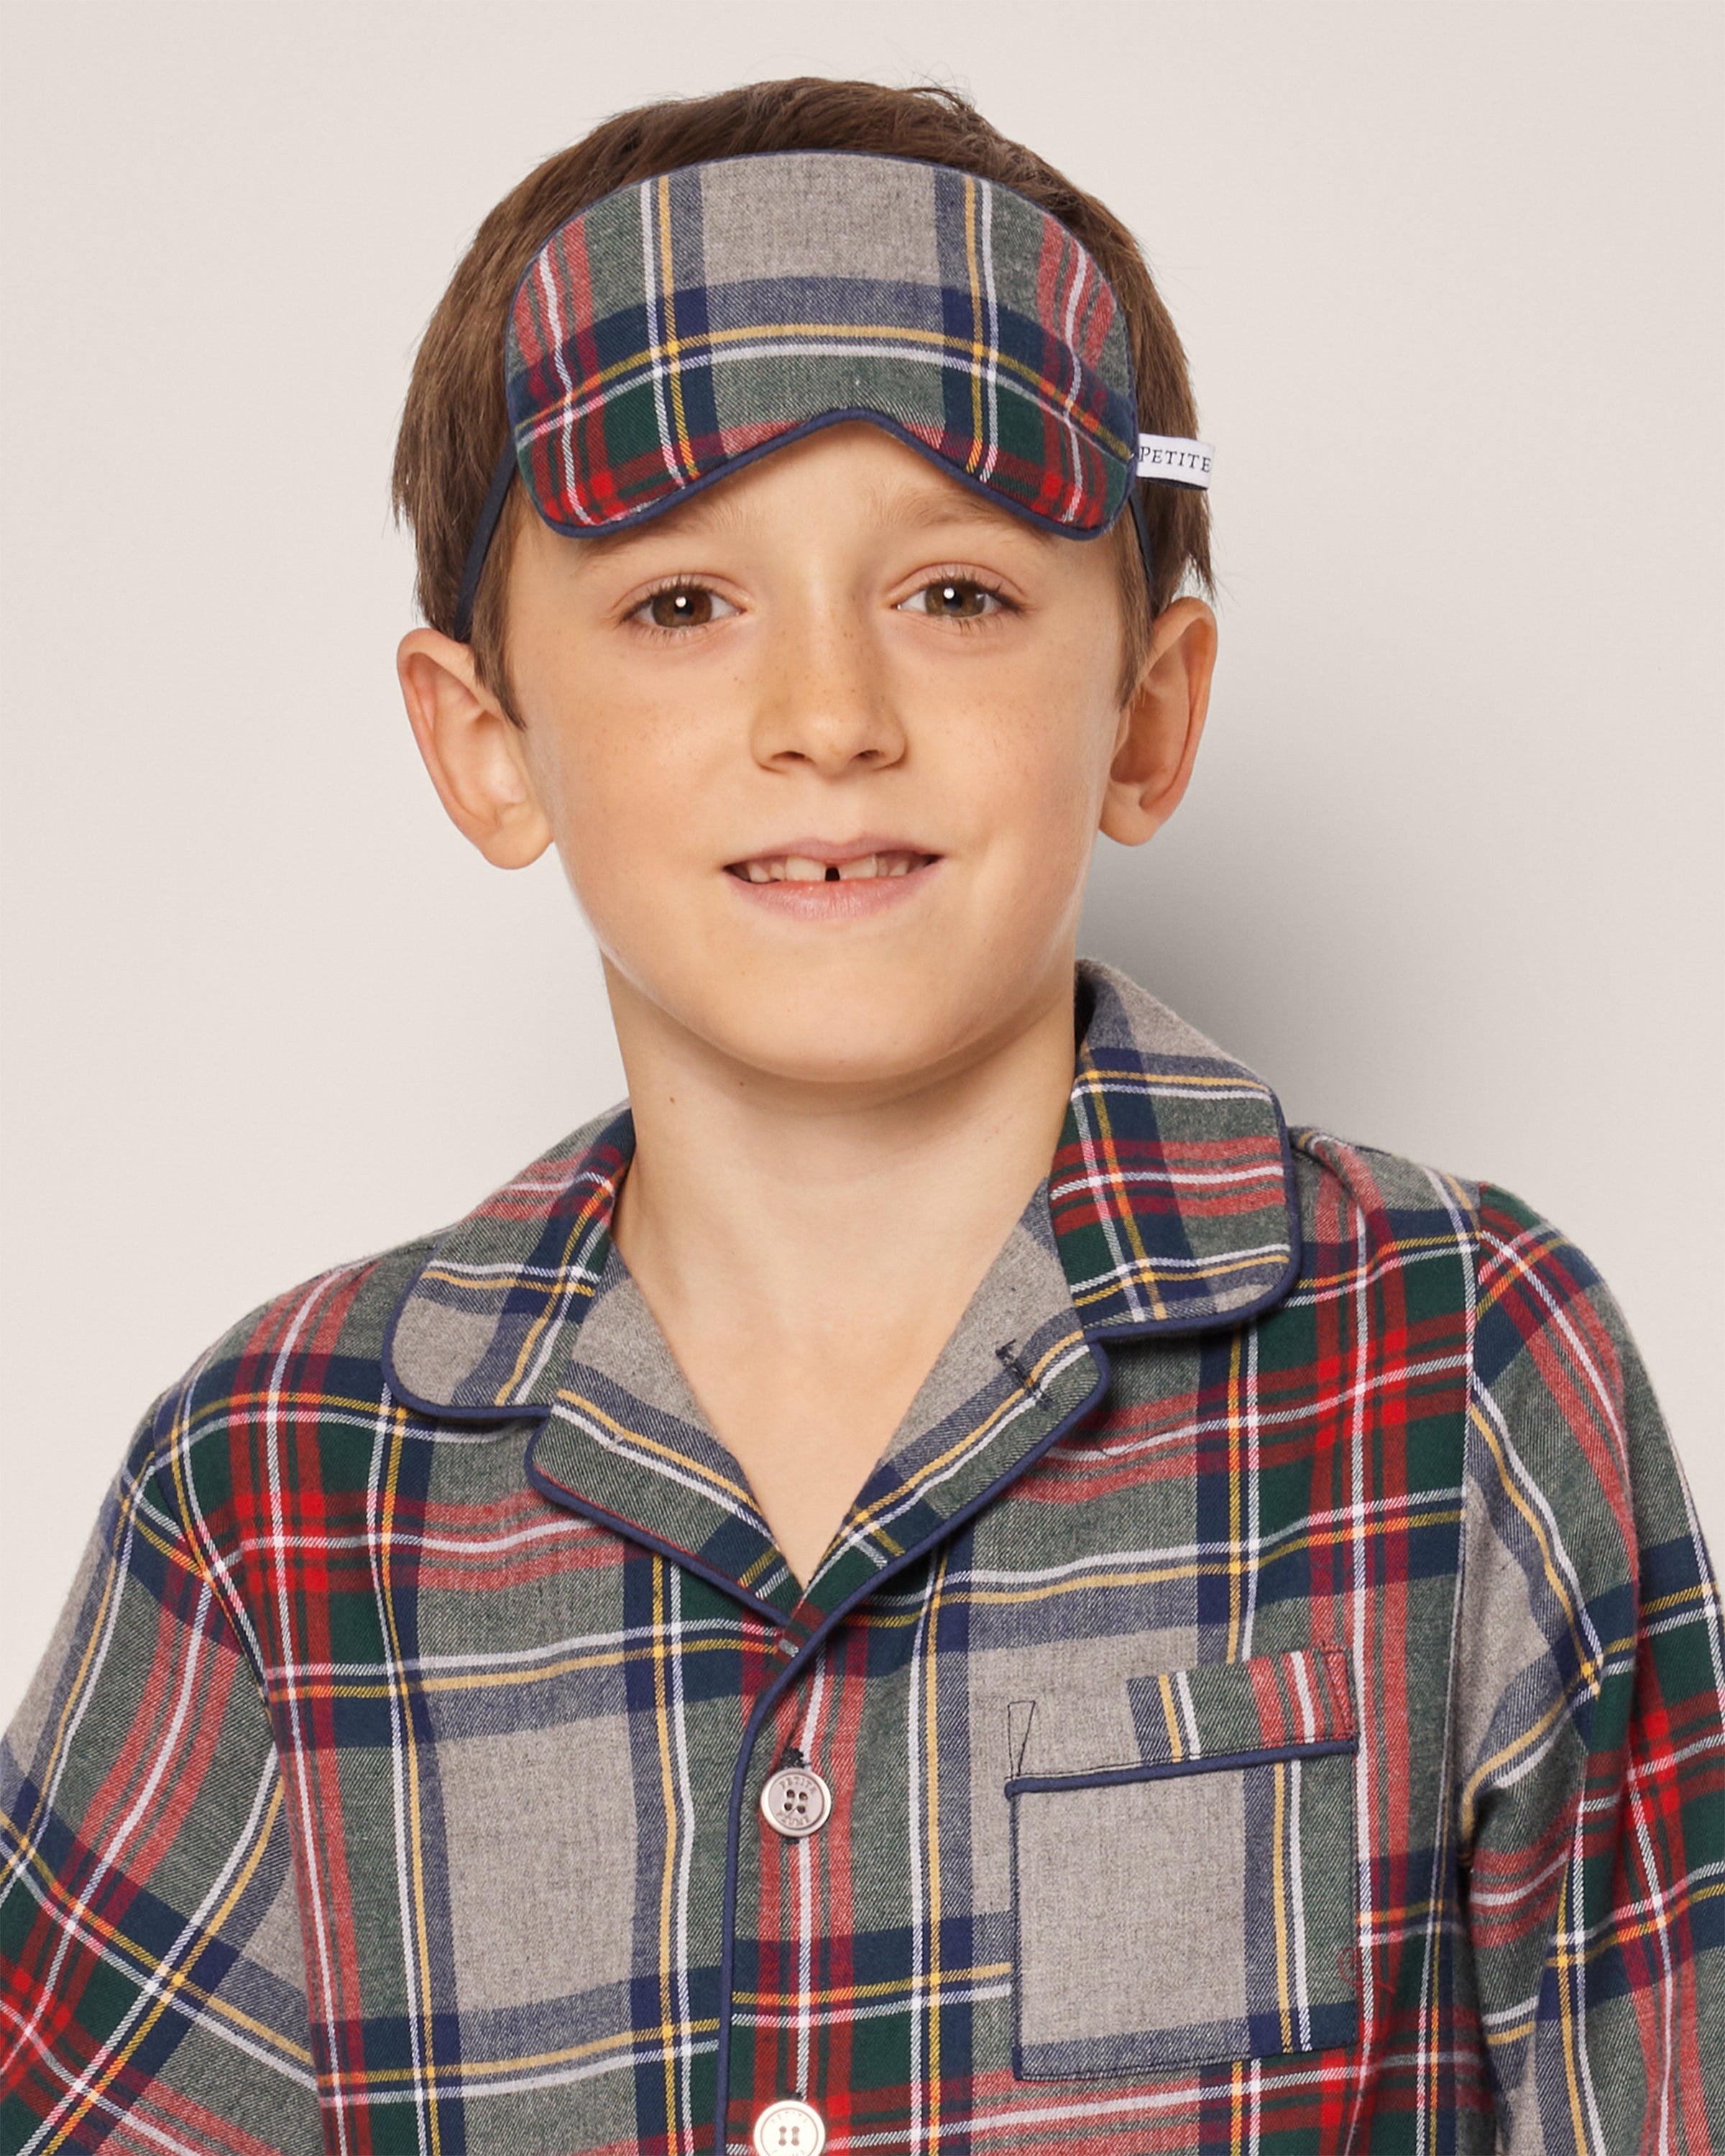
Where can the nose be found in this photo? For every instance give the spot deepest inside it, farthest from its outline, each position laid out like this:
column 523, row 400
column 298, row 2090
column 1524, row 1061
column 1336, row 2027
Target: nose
column 825, row 703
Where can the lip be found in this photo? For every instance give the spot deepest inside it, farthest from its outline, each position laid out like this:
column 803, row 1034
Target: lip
column 858, row 899
column 835, row 850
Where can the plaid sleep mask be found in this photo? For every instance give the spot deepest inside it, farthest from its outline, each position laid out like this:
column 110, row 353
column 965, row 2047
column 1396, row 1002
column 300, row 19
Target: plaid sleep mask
column 680, row 327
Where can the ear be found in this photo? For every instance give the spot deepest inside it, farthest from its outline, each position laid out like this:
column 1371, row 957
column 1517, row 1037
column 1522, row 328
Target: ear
column 475, row 753
column 1161, row 724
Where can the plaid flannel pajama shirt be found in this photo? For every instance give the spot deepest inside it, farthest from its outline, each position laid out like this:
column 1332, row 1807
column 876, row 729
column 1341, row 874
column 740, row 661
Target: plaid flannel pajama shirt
column 1270, row 1688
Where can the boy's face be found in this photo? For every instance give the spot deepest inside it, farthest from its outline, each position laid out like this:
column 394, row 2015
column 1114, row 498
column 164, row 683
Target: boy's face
column 824, row 753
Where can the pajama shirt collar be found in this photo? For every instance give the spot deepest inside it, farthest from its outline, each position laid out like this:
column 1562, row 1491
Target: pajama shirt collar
column 1169, row 1208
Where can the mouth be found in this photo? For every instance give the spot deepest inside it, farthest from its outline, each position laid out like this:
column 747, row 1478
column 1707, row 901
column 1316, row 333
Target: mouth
column 878, row 866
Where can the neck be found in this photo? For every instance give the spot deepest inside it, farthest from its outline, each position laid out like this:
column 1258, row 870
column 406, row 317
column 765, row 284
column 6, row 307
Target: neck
column 797, row 1211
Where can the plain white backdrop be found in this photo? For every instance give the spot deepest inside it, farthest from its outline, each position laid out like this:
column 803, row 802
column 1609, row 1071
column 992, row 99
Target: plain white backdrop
column 1450, row 278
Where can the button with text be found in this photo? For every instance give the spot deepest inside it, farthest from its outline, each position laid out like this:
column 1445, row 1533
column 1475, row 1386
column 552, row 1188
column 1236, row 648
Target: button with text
column 796, row 1802
column 790, row 2127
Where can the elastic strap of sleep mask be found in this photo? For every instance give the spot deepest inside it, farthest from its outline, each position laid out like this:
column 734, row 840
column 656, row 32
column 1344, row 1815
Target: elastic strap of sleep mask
column 484, row 532
column 1175, row 459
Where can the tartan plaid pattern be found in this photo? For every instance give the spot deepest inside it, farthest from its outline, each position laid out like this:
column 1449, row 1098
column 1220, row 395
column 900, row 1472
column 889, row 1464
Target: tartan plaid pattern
column 1292, row 1528
column 677, row 328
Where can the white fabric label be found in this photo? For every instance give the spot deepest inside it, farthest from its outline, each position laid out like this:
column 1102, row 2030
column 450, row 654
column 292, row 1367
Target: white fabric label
column 1172, row 457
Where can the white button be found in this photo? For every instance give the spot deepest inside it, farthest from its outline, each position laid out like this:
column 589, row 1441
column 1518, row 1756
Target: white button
column 796, row 1801
column 790, row 2127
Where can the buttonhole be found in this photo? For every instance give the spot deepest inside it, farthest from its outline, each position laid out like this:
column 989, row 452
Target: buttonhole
column 1007, row 1352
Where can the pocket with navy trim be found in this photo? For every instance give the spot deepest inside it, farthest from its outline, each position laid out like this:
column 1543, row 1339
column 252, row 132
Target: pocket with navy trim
column 1196, row 1904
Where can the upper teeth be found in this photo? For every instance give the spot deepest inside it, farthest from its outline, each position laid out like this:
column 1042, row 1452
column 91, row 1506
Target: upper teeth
column 798, row 868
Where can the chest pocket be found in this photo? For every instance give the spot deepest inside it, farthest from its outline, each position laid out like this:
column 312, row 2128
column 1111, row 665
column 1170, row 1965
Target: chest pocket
column 1196, row 1904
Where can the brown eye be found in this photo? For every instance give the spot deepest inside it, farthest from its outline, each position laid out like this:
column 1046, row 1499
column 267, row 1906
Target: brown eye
column 683, row 606
column 953, row 599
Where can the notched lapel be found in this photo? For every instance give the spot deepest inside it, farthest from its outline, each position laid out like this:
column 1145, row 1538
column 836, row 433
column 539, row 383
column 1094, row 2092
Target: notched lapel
column 625, row 1442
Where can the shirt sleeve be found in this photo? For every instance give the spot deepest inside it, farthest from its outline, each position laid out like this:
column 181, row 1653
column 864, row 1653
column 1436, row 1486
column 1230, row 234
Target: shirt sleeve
column 152, row 1990
column 1590, row 1753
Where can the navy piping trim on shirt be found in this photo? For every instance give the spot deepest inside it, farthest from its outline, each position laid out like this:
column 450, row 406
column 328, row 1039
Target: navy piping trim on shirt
column 443, row 1410
column 1169, row 1770
column 559, row 1493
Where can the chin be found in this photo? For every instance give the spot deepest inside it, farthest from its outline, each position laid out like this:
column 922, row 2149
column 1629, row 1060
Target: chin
column 922, row 1005
column 868, row 1032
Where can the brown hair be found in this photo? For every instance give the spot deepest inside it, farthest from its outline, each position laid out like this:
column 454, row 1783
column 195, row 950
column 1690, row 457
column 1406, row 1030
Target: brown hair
column 454, row 425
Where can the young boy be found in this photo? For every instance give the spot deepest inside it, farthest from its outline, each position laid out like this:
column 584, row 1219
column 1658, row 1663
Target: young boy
column 937, row 1580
